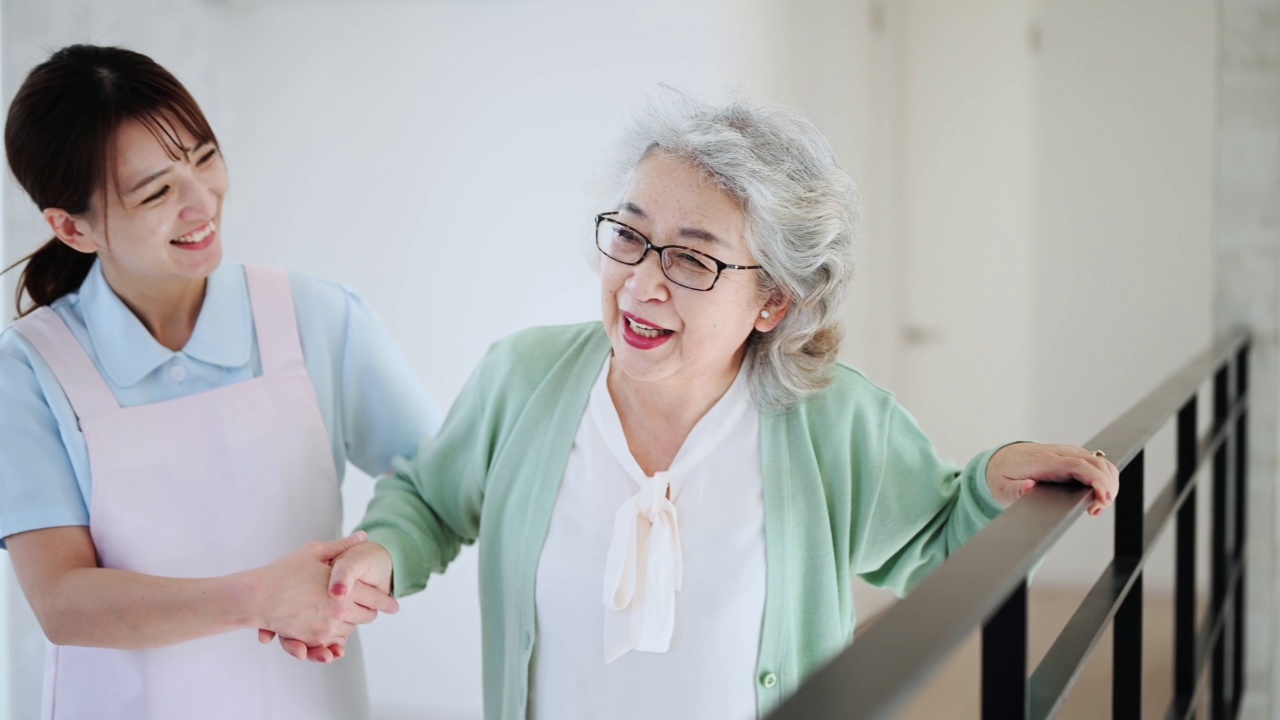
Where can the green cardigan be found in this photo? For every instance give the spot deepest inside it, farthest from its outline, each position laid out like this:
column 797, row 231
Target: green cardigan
column 851, row 487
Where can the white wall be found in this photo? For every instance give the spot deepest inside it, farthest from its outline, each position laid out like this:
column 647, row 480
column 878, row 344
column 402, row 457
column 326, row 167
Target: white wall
column 444, row 163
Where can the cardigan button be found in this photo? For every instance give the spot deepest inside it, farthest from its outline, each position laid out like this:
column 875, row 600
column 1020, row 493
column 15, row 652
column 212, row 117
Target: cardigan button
column 768, row 679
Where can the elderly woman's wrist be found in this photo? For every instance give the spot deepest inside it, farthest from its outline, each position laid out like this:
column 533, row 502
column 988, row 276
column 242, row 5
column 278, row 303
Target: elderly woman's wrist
column 994, row 478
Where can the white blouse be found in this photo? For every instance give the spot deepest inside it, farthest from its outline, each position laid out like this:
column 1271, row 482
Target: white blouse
column 649, row 604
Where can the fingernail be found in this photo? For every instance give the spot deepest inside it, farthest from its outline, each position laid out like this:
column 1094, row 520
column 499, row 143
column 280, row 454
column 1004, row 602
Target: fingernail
column 338, row 589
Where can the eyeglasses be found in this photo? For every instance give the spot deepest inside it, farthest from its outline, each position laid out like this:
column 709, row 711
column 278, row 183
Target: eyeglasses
column 683, row 266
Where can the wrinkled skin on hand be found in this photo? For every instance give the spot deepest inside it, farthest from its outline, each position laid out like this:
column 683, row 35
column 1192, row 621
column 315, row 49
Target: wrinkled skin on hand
column 1017, row 468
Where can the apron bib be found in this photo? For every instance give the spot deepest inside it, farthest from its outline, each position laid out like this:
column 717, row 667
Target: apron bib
column 202, row 486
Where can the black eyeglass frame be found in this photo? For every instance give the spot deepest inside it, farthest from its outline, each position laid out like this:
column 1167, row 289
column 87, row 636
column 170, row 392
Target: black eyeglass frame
column 721, row 266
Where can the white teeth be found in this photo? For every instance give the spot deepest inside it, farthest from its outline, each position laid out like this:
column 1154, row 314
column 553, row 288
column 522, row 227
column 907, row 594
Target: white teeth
column 197, row 236
column 644, row 330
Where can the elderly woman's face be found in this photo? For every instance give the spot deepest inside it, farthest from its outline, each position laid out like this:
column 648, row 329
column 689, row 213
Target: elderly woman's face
column 659, row 329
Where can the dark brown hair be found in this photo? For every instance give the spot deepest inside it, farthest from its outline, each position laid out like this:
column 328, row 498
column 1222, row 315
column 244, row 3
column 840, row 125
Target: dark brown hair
column 59, row 140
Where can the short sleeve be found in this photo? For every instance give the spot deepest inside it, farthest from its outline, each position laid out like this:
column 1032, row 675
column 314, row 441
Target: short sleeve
column 385, row 412
column 38, row 487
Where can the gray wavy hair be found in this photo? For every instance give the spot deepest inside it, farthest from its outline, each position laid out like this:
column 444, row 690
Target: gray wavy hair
column 801, row 214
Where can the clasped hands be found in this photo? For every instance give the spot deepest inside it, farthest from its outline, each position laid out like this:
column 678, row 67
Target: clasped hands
column 314, row 598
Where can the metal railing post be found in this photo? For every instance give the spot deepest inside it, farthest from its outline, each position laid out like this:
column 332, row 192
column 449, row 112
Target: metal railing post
column 1241, row 495
column 1218, row 561
column 1126, row 678
column 1184, row 624
column 1004, row 660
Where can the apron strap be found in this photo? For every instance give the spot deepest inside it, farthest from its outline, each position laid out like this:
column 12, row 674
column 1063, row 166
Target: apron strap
column 276, row 323
column 88, row 393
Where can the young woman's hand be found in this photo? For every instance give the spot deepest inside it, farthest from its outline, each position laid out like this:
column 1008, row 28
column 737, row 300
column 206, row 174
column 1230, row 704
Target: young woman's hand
column 1017, row 468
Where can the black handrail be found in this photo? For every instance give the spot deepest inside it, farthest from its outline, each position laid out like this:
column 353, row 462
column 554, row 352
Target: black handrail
column 985, row 582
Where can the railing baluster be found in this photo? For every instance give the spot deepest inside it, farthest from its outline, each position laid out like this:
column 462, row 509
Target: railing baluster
column 1184, row 624
column 1126, row 678
column 1004, row 660
column 1218, row 561
column 1241, row 485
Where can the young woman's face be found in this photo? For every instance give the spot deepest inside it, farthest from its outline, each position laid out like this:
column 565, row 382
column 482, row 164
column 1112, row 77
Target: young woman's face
column 161, row 214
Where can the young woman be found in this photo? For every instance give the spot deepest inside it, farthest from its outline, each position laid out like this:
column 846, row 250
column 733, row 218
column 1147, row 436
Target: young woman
column 176, row 426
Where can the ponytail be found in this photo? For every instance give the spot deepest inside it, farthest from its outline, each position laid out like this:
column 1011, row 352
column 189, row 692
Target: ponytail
column 51, row 272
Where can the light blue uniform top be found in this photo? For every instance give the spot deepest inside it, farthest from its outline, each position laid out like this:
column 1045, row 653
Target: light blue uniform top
column 373, row 405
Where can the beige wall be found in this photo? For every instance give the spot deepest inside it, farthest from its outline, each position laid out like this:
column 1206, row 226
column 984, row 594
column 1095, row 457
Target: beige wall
column 1051, row 207
column 965, row 215
column 1123, row 245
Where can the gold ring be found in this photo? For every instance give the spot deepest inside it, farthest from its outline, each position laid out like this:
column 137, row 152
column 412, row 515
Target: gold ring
column 1099, row 453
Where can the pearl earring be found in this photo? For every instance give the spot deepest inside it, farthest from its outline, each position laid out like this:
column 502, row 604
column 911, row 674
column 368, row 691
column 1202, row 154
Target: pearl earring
column 764, row 314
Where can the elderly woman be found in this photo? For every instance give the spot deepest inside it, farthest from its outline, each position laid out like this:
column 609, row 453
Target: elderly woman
column 671, row 504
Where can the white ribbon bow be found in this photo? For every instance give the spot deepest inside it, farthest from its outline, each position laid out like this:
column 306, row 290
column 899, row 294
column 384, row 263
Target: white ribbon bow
column 643, row 572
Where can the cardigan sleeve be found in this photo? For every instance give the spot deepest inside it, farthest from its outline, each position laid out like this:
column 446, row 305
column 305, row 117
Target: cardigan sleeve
column 429, row 504
column 921, row 508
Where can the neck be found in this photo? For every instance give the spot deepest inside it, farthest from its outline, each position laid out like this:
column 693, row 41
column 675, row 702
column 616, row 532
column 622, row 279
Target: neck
column 168, row 308
column 657, row 417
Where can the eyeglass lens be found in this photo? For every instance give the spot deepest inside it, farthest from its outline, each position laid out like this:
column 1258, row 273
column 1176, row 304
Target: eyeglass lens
column 682, row 265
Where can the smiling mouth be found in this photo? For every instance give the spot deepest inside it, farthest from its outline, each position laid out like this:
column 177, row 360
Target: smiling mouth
column 195, row 236
column 645, row 331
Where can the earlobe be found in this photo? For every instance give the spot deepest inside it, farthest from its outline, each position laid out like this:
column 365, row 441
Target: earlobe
column 772, row 314
column 71, row 230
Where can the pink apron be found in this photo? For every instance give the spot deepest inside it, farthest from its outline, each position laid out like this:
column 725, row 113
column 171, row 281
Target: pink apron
column 200, row 486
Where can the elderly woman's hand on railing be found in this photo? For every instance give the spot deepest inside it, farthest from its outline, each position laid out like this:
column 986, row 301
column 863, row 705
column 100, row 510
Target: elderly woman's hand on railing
column 1017, row 468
